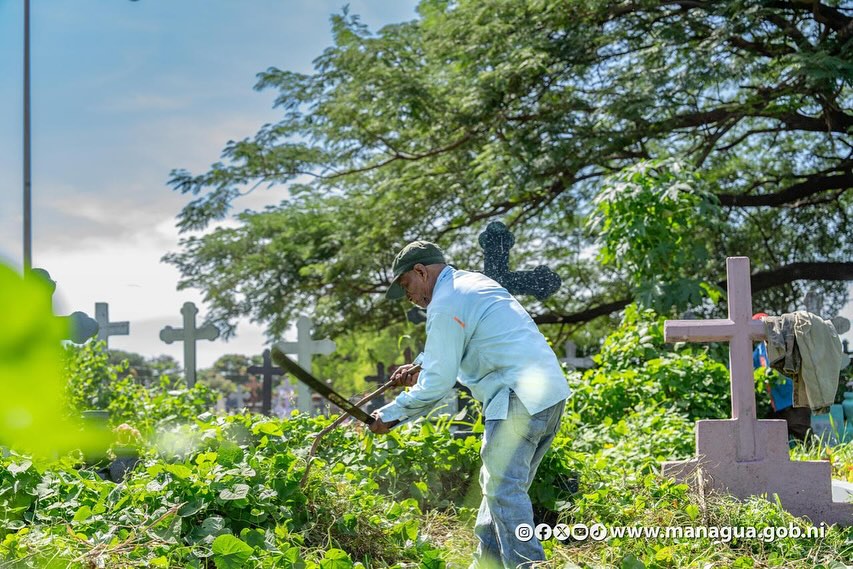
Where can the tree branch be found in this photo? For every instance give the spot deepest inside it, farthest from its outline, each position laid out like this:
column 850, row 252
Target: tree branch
column 796, row 195
column 818, row 271
column 834, row 120
column 824, row 14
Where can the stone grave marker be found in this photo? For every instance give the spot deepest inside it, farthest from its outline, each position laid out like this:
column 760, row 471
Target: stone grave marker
column 572, row 361
column 416, row 315
column 305, row 347
column 742, row 455
column 813, row 302
column 268, row 372
column 189, row 334
column 496, row 242
column 81, row 327
column 107, row 328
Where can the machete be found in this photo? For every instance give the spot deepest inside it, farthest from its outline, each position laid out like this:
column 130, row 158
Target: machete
column 294, row 368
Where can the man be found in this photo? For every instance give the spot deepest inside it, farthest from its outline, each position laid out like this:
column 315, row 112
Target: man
column 781, row 391
column 477, row 332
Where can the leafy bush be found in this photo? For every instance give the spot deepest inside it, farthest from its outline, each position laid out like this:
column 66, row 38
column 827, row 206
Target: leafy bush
column 95, row 383
column 224, row 491
column 241, row 480
column 636, row 367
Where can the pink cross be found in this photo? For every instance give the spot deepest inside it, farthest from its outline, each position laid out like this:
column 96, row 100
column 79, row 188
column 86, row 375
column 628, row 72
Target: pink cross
column 740, row 330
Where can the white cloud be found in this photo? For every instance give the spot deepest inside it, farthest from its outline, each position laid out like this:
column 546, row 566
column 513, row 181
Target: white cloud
column 146, row 102
column 138, row 288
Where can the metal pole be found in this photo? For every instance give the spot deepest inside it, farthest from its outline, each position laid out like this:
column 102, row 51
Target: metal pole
column 28, row 254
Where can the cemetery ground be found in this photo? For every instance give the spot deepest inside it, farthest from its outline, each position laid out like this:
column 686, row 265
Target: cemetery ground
column 223, row 491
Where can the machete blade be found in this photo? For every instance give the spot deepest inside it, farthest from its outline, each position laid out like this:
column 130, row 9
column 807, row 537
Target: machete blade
column 330, row 394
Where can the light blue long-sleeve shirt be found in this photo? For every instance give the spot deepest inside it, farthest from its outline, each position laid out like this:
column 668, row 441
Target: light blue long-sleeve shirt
column 479, row 333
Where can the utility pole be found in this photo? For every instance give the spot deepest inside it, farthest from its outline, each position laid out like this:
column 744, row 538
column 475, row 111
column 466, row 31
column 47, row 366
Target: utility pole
column 28, row 252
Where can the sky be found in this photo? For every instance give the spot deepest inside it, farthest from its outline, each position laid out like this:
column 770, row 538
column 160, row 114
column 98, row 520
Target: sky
column 122, row 93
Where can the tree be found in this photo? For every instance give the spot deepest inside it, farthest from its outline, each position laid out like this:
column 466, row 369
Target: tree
column 145, row 371
column 228, row 372
column 526, row 112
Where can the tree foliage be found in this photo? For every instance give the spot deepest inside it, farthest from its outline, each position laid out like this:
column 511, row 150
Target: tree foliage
column 529, row 112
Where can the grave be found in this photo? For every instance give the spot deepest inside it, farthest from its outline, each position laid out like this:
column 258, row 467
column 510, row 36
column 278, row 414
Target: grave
column 107, row 328
column 416, row 315
column 268, row 372
column 189, row 334
column 496, row 242
column 305, row 347
column 743, row 456
column 81, row 327
column 814, row 304
column 572, row 361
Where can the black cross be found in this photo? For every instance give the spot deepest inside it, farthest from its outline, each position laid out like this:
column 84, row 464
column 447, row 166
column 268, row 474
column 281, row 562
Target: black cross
column 268, row 372
column 380, row 376
column 496, row 242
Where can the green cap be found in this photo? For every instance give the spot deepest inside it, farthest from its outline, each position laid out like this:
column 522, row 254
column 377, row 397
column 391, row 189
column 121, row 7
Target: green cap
column 422, row 252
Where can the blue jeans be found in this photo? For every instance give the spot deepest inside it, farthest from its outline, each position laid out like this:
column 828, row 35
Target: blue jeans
column 512, row 450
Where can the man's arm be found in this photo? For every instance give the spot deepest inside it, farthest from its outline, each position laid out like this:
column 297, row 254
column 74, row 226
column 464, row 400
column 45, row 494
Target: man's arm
column 442, row 356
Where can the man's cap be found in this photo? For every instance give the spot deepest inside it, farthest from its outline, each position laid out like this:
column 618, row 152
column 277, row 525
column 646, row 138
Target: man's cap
column 422, row 252
column 759, row 315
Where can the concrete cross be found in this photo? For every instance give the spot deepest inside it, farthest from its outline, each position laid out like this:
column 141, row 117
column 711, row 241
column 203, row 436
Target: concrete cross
column 80, row 326
column 380, row 377
column 572, row 361
column 743, row 456
column 416, row 315
column 107, row 328
column 268, row 372
column 305, row 347
column 814, row 304
column 740, row 330
column 188, row 335
column 496, row 242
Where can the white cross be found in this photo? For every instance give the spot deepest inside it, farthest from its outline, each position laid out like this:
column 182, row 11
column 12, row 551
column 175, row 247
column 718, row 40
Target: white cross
column 188, row 335
column 572, row 361
column 107, row 328
column 305, row 347
column 740, row 330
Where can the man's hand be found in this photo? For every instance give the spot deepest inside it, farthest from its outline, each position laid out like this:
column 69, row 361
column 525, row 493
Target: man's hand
column 404, row 375
column 379, row 427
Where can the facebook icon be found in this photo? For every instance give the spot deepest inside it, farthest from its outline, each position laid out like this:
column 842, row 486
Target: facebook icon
column 543, row 532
